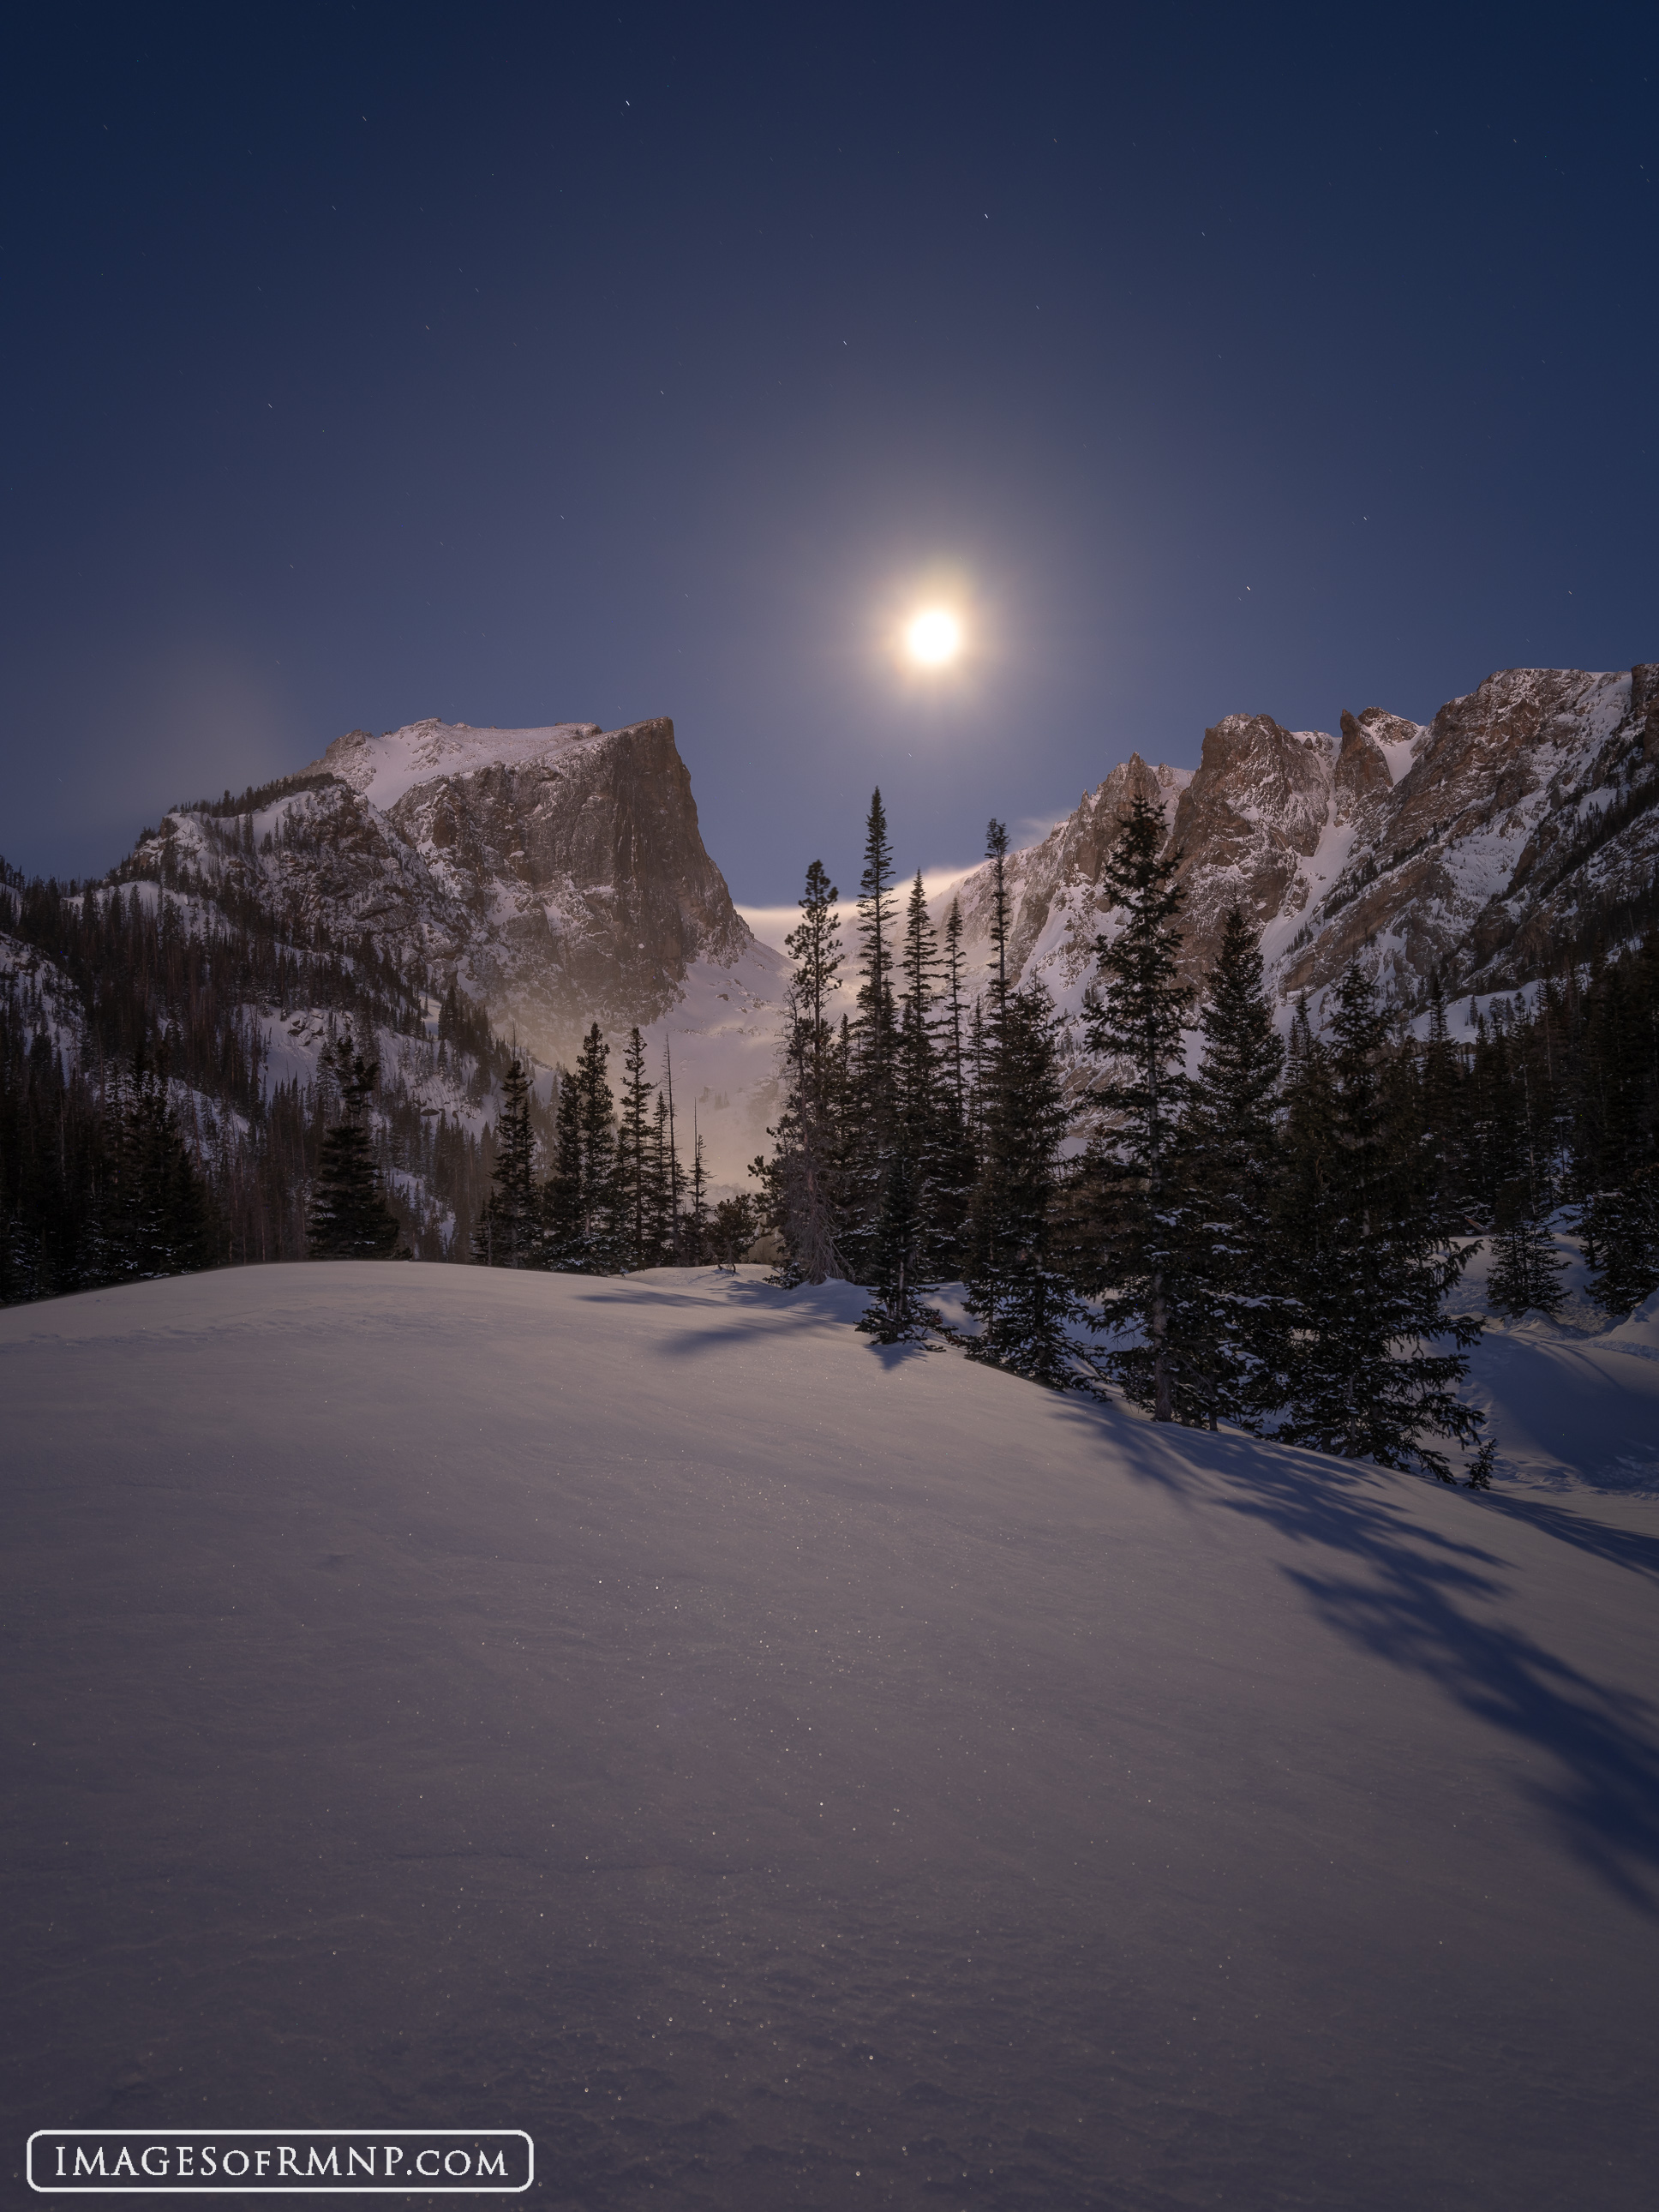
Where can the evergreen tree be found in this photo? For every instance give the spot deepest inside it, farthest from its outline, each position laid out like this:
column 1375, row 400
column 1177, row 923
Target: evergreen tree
column 510, row 1231
column 896, row 1311
column 1018, row 1287
column 670, row 1240
column 349, row 1217
column 735, row 1227
column 1526, row 1273
column 950, row 1024
column 638, row 1201
column 694, row 1236
column 805, row 1179
column 1629, row 1242
column 1360, row 1261
column 151, row 1217
column 1441, row 1119
column 877, row 930
column 1230, row 1325
column 662, row 1229
column 870, row 1133
column 580, row 1199
column 952, row 1164
column 1135, row 1024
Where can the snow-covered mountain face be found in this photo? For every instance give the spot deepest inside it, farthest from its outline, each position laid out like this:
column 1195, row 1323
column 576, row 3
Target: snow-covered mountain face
column 558, row 873
column 1514, row 827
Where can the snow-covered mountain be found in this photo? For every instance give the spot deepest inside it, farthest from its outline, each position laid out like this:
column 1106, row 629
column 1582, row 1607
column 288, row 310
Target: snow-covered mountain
column 557, row 873
column 1514, row 829
column 776, row 1771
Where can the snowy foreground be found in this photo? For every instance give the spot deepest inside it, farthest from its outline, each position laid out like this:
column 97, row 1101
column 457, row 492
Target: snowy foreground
column 778, row 1772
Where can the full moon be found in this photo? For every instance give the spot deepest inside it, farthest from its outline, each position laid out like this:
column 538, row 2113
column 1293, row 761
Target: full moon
column 933, row 637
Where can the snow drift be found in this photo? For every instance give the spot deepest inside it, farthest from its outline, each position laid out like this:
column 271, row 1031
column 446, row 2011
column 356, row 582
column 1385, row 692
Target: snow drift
column 774, row 1771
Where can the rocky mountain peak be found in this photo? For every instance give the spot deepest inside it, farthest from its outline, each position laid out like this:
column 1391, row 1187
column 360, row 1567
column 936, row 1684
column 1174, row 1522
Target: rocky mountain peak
column 1518, row 826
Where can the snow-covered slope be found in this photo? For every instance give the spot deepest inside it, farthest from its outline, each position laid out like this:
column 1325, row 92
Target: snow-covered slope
column 777, row 1772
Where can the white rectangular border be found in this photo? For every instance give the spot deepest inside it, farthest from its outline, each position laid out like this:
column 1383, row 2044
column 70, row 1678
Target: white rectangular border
column 417, row 2185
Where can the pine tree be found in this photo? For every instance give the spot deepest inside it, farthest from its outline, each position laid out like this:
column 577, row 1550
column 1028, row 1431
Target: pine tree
column 953, row 1165
column 694, row 1236
column 1628, row 1254
column 636, row 1196
column 1018, row 1287
column 1135, row 1024
column 1526, row 1276
column 580, row 1199
column 1442, row 1121
column 870, row 1132
column 151, row 1216
column 510, row 1231
column 950, row 1023
column 1230, row 1326
column 735, row 1227
column 662, row 1228
column 349, row 1217
column 897, row 1312
column 672, row 1239
column 1360, row 1261
column 996, row 852
column 877, row 930
column 806, row 1178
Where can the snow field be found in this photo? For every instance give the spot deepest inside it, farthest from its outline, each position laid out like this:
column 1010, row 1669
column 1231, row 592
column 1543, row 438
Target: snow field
column 779, row 1772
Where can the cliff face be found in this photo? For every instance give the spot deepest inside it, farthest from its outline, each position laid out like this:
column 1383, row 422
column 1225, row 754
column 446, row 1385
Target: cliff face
column 1518, row 825
column 558, row 873
column 569, row 879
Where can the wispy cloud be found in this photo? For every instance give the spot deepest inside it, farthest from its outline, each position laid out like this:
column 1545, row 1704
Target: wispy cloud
column 772, row 924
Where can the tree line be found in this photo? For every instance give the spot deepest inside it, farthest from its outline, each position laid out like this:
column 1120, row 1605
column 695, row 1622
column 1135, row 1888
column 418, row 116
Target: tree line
column 1225, row 1223
column 137, row 1085
column 615, row 1196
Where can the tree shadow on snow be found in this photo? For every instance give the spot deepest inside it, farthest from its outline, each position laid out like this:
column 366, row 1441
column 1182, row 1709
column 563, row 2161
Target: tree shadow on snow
column 1624, row 1547
column 1424, row 1602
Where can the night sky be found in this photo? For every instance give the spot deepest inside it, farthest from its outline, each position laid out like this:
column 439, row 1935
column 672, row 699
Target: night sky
column 518, row 365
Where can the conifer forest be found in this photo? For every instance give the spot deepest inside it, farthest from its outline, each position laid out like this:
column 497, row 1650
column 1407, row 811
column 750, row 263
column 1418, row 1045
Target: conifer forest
column 1224, row 1222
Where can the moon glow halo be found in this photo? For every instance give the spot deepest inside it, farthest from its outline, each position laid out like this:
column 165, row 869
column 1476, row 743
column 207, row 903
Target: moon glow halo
column 933, row 637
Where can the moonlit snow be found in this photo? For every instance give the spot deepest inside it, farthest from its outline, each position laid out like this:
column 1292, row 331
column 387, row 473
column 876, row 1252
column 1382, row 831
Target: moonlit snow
column 774, row 1771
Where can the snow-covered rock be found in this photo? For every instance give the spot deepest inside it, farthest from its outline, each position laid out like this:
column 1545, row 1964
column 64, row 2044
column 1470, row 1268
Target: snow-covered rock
column 558, row 874
column 1509, row 832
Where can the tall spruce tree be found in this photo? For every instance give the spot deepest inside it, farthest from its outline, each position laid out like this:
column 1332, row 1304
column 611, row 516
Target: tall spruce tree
column 1018, row 1287
column 1525, row 1276
column 1230, row 1327
column 905, row 1247
column 511, row 1230
column 953, row 1041
column 870, row 1132
column 1135, row 1025
column 694, row 1235
column 1628, row 1221
column 1441, row 1104
column 1359, row 1255
column 665, row 1104
column 806, row 1178
column 662, row 1229
column 349, row 1217
column 637, row 1198
column 152, row 1215
column 580, row 1199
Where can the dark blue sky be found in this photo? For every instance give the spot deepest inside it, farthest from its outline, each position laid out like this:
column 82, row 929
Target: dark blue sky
column 514, row 365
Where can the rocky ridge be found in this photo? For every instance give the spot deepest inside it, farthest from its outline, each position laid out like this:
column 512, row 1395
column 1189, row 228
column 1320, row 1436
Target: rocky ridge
column 1516, row 829
column 559, row 874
